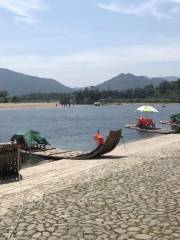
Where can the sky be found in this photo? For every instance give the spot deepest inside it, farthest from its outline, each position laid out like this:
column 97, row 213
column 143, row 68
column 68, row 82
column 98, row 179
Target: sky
column 85, row 42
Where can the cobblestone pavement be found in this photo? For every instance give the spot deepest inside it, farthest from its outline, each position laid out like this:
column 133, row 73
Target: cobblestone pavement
column 112, row 201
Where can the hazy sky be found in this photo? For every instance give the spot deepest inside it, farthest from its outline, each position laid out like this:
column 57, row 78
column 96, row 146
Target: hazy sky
column 85, row 42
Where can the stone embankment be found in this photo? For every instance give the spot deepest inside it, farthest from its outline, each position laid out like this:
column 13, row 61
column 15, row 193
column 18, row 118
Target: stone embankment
column 135, row 196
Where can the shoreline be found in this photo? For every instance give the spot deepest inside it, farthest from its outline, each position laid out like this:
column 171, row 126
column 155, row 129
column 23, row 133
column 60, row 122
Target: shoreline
column 17, row 106
column 44, row 105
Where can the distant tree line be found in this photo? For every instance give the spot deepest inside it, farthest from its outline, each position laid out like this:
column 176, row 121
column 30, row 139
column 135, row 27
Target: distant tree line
column 4, row 97
column 165, row 92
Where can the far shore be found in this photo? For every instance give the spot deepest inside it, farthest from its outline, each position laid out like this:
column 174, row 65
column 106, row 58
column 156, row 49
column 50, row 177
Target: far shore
column 41, row 105
column 27, row 105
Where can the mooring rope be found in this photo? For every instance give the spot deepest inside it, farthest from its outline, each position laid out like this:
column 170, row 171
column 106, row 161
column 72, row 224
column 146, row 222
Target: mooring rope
column 22, row 199
column 22, row 194
column 124, row 144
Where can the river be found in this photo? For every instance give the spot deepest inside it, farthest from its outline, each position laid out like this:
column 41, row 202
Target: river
column 73, row 128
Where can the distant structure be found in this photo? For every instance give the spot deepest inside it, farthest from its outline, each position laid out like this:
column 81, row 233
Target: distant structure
column 97, row 104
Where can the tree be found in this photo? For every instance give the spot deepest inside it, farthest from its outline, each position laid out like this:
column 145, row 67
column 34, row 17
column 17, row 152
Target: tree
column 149, row 90
column 4, row 96
column 164, row 87
column 14, row 99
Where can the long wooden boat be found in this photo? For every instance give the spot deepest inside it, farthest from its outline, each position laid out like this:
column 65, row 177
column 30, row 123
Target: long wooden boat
column 155, row 130
column 174, row 126
column 56, row 154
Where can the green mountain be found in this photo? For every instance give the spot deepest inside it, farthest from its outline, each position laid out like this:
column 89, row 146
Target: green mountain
column 127, row 81
column 20, row 84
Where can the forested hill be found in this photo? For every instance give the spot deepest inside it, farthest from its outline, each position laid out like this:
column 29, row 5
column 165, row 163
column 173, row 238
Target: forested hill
column 21, row 84
column 17, row 84
column 128, row 81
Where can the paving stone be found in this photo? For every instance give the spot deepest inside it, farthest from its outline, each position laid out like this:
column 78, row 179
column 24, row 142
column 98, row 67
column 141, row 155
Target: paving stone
column 46, row 234
column 20, row 233
column 36, row 235
column 143, row 237
column 74, row 230
column 120, row 230
column 40, row 228
column 133, row 229
column 31, row 227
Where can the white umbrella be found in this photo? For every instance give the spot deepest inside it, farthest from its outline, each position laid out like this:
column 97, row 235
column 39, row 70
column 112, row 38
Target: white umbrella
column 147, row 108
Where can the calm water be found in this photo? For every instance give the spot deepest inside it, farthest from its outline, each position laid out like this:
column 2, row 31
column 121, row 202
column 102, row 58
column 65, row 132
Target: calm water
column 73, row 128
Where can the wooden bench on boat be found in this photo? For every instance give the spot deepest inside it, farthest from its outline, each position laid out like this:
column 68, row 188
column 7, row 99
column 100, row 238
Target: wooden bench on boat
column 10, row 163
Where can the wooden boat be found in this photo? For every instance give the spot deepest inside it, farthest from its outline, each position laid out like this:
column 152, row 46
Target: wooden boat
column 147, row 125
column 152, row 130
column 111, row 142
column 56, row 154
column 174, row 123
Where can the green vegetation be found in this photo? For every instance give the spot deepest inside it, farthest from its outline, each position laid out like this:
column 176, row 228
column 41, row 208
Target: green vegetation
column 165, row 92
column 4, row 97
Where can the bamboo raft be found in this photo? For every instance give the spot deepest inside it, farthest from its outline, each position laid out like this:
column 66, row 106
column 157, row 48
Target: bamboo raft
column 56, row 154
column 10, row 163
column 156, row 130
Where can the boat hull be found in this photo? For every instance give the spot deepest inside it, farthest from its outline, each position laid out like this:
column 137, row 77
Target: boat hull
column 175, row 127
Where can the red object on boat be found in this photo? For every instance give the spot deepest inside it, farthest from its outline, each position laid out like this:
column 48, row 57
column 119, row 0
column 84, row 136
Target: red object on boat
column 99, row 139
column 147, row 122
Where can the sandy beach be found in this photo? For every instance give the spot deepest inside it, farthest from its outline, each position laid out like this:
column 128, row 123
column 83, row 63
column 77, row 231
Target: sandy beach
column 26, row 105
column 131, row 193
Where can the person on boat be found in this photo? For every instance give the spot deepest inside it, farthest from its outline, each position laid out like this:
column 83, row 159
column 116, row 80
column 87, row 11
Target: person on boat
column 98, row 139
column 140, row 121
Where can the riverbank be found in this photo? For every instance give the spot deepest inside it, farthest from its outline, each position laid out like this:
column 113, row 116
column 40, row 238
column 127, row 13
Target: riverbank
column 53, row 105
column 132, row 193
column 26, row 105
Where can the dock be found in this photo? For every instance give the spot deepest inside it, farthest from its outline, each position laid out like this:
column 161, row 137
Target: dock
column 156, row 130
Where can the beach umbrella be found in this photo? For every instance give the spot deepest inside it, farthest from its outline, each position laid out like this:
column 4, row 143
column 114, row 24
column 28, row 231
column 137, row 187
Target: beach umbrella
column 147, row 108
